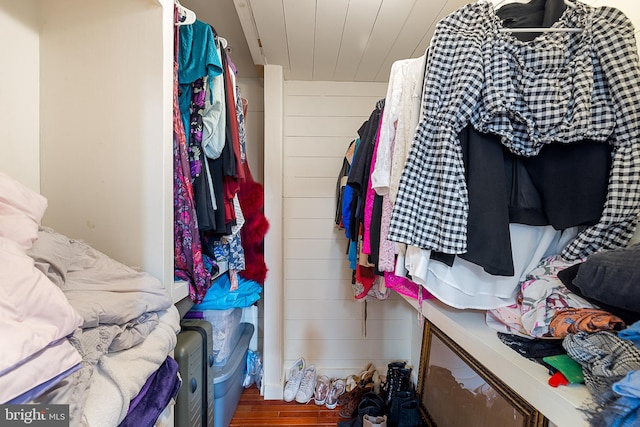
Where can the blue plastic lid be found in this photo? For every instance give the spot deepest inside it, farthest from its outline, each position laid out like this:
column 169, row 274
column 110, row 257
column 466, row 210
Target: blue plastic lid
column 222, row 373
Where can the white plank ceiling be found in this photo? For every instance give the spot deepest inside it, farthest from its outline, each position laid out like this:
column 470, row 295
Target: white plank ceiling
column 342, row 40
column 330, row 40
column 324, row 40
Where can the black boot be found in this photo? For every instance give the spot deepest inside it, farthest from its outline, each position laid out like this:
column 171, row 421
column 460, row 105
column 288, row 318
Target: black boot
column 398, row 378
column 410, row 414
column 396, row 402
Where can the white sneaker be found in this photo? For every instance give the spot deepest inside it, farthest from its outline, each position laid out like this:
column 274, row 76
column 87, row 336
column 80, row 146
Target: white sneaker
column 307, row 386
column 295, row 378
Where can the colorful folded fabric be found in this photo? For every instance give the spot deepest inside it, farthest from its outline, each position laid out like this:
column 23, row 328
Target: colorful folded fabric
column 573, row 320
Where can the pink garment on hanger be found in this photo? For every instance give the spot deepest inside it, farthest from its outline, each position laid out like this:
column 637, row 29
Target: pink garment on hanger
column 387, row 251
column 404, row 286
column 370, row 196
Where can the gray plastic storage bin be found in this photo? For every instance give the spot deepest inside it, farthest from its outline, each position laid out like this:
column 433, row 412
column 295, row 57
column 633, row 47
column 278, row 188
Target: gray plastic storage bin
column 228, row 379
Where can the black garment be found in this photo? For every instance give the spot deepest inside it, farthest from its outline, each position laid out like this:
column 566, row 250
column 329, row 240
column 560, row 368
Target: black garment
column 200, row 181
column 359, row 174
column 572, row 180
column 203, row 203
column 564, row 186
column 220, row 226
column 525, row 200
column 532, row 348
column 228, row 155
column 355, row 180
column 488, row 238
column 374, row 233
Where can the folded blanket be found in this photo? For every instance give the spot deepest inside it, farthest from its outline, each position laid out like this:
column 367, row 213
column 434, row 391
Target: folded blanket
column 122, row 375
column 92, row 344
column 52, row 254
column 101, row 289
column 85, row 390
column 34, row 315
column 58, row 358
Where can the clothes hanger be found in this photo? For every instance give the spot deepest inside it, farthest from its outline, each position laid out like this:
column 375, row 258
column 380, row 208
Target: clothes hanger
column 185, row 16
column 567, row 3
column 498, row 3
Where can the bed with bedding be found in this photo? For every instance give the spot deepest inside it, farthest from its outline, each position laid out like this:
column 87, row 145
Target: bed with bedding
column 77, row 327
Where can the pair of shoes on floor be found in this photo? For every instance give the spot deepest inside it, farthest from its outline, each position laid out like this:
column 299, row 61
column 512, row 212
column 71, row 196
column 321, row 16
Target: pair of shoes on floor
column 323, row 386
column 307, row 385
column 349, row 401
column 301, row 383
column 365, row 376
column 368, row 375
column 336, row 390
column 296, row 372
column 370, row 412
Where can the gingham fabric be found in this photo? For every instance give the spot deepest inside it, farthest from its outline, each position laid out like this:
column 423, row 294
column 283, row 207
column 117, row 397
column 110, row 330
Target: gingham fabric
column 605, row 359
column 560, row 87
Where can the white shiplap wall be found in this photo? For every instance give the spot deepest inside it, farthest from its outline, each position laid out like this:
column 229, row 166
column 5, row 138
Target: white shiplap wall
column 322, row 321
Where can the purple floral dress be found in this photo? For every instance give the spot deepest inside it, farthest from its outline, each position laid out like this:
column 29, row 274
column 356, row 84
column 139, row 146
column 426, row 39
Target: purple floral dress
column 189, row 264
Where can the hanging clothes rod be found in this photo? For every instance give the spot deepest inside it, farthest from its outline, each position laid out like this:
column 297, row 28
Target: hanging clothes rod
column 541, row 30
column 499, row 3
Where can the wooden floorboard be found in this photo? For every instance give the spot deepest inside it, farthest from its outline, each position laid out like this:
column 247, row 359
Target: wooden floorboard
column 254, row 411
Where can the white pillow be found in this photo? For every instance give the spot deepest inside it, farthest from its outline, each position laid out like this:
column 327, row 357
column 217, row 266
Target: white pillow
column 21, row 210
column 34, row 312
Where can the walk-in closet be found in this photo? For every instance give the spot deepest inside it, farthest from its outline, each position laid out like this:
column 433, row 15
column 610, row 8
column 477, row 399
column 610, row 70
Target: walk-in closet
column 378, row 238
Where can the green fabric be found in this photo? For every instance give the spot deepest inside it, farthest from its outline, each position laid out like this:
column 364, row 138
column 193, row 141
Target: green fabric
column 571, row 369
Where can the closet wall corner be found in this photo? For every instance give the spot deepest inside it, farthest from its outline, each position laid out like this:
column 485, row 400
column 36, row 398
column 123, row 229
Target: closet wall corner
column 89, row 121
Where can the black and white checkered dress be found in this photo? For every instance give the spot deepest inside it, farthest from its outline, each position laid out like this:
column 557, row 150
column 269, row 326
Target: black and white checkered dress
column 560, row 87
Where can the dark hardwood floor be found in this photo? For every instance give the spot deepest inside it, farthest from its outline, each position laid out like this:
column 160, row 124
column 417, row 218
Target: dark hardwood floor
column 254, row 411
